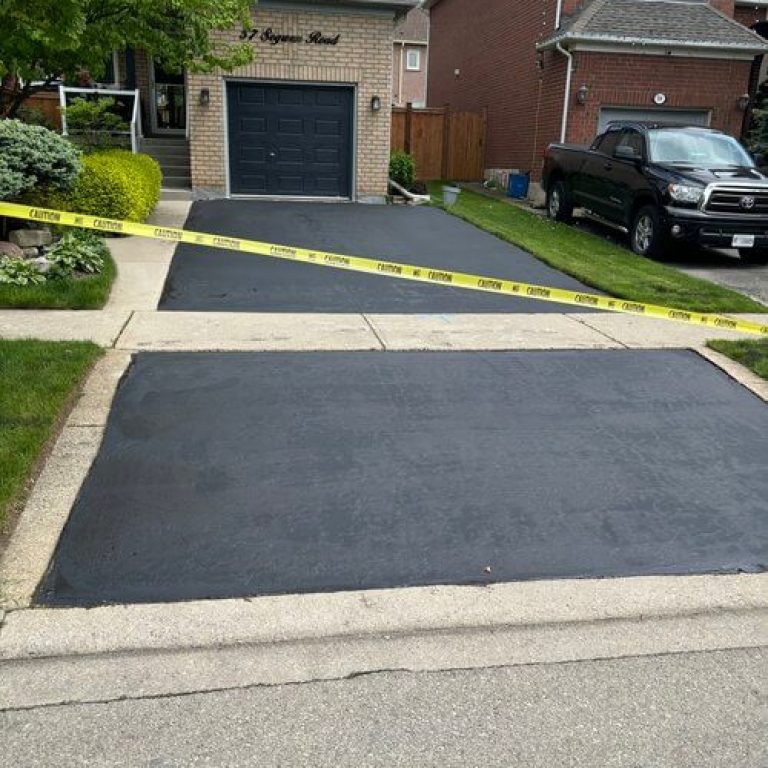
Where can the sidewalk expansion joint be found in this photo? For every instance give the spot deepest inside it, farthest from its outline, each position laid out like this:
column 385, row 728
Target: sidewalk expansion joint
column 374, row 331
column 597, row 330
column 122, row 329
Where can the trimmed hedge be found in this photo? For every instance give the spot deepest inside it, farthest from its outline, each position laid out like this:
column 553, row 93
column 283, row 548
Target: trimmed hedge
column 117, row 185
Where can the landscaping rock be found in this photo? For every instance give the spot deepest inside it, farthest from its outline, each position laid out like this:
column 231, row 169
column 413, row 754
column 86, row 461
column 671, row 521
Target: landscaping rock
column 30, row 253
column 30, row 238
column 41, row 263
column 10, row 249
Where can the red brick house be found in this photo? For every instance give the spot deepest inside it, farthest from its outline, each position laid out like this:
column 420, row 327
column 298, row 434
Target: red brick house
column 410, row 59
column 559, row 70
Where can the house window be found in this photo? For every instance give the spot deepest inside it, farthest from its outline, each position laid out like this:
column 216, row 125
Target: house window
column 413, row 60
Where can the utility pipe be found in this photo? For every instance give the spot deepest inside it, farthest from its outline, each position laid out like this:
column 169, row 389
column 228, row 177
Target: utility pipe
column 409, row 195
column 567, row 98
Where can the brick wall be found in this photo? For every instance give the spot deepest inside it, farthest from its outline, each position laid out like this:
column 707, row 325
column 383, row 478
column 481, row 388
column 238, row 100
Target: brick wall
column 628, row 80
column 363, row 57
column 493, row 44
column 749, row 15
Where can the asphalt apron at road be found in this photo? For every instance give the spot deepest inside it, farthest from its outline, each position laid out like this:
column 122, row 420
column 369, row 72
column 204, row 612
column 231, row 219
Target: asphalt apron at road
column 263, row 473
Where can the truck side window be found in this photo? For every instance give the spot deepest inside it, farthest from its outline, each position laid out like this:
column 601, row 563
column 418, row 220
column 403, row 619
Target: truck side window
column 633, row 139
column 609, row 143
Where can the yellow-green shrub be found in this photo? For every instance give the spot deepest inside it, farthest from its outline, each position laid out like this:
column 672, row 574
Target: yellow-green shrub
column 116, row 184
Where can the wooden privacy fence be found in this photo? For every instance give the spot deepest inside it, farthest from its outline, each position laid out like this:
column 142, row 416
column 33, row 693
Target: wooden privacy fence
column 445, row 144
column 48, row 103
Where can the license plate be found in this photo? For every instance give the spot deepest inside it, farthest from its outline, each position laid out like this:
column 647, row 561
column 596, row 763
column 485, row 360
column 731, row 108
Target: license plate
column 743, row 241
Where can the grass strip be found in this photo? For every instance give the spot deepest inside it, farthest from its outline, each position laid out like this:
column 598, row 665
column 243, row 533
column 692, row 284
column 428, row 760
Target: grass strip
column 592, row 260
column 89, row 292
column 37, row 381
column 751, row 354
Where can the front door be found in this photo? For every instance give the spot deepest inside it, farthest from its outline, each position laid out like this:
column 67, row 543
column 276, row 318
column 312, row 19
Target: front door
column 169, row 101
column 290, row 139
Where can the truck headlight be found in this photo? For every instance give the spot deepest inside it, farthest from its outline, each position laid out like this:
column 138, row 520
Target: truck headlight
column 682, row 193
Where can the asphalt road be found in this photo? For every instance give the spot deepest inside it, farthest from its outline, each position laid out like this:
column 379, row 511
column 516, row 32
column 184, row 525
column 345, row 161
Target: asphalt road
column 699, row 710
column 226, row 475
column 206, row 279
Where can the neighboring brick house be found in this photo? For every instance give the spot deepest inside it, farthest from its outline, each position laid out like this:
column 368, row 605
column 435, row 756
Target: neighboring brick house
column 310, row 117
column 681, row 61
column 410, row 59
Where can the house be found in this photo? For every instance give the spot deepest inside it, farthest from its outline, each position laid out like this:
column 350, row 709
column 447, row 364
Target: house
column 560, row 70
column 410, row 59
column 308, row 118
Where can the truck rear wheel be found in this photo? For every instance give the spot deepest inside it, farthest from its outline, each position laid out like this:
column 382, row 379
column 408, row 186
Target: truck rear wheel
column 647, row 236
column 754, row 255
column 559, row 203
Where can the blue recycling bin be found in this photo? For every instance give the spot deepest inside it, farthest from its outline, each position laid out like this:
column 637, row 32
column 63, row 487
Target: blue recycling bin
column 518, row 185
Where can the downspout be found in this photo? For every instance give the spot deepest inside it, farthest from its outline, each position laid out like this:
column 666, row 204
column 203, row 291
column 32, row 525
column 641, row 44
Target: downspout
column 402, row 66
column 567, row 97
column 558, row 13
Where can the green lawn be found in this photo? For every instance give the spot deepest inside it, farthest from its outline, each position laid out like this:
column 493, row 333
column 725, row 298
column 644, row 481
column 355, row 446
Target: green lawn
column 752, row 354
column 596, row 262
column 37, row 381
column 89, row 292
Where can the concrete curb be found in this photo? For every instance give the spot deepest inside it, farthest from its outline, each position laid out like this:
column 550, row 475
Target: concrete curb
column 40, row 632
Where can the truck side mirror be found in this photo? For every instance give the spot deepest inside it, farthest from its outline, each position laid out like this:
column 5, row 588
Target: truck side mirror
column 626, row 152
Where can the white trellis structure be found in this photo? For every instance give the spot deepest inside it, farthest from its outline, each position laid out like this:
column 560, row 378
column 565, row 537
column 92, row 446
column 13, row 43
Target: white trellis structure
column 135, row 122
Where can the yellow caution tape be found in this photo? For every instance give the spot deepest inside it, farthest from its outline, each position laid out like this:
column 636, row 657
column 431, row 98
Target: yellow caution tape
column 386, row 268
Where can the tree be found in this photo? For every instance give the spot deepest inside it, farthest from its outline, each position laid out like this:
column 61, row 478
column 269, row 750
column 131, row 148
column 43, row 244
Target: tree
column 45, row 40
column 757, row 137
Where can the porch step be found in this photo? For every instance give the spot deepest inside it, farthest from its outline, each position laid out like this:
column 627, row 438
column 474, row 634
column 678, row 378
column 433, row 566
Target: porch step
column 173, row 156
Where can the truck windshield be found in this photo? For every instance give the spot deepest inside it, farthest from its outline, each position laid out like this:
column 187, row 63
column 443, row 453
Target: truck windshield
column 710, row 150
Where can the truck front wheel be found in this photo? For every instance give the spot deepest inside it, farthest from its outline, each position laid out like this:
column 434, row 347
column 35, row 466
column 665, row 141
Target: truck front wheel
column 647, row 235
column 559, row 204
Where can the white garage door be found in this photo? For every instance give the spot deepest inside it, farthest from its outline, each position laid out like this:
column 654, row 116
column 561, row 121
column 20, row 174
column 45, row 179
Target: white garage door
column 682, row 116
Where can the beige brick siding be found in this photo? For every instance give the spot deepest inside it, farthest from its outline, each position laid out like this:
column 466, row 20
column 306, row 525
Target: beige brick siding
column 363, row 57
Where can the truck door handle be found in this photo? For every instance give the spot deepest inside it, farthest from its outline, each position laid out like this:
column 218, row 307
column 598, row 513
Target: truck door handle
column 608, row 167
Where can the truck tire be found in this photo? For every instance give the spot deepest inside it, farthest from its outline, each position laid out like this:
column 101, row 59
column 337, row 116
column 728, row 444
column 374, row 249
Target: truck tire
column 559, row 203
column 647, row 235
column 754, row 255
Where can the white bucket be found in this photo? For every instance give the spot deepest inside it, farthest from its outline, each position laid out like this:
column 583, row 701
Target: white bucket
column 450, row 195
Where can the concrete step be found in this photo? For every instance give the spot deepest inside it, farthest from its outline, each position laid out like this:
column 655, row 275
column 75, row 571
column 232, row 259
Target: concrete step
column 177, row 182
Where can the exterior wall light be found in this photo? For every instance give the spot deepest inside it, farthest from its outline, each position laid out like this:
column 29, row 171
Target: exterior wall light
column 205, row 97
column 743, row 102
column 376, row 104
column 581, row 94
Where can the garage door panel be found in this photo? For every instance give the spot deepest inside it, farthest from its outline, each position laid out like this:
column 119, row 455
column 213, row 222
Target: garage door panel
column 680, row 116
column 290, row 140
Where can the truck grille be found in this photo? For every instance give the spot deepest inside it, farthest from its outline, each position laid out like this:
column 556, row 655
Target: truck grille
column 738, row 201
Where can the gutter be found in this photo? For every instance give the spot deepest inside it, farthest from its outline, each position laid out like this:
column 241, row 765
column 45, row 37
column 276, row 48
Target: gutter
column 567, row 97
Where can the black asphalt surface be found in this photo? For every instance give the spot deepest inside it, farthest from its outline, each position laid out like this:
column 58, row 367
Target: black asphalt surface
column 207, row 279
column 225, row 475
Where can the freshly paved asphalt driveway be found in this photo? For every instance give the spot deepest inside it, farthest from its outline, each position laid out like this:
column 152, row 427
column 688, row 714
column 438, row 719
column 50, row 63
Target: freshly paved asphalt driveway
column 242, row 474
column 203, row 279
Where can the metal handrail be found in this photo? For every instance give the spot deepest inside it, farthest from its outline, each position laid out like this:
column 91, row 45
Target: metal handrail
column 135, row 131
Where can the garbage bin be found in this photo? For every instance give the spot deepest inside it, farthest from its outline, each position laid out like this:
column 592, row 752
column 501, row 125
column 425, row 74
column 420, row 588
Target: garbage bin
column 518, row 185
column 450, row 194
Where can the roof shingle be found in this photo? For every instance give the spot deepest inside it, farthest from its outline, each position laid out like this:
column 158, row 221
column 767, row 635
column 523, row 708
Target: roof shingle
column 686, row 23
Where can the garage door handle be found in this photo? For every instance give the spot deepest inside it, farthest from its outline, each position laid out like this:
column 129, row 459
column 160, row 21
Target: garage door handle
column 273, row 154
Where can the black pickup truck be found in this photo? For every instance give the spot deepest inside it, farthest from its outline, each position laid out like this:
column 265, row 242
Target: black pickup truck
column 664, row 184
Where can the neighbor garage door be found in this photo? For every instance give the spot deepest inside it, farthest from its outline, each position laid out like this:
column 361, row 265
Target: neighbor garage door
column 290, row 140
column 682, row 116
